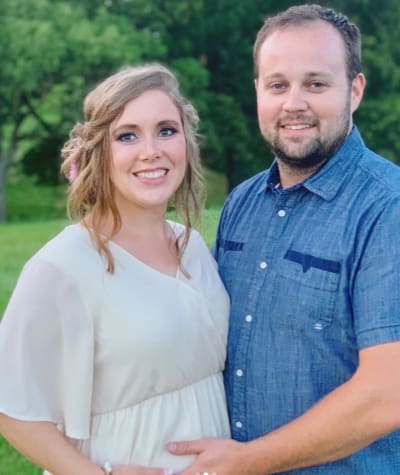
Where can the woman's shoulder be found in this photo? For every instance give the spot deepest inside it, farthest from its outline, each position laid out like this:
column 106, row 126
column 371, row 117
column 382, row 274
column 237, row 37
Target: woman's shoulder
column 71, row 249
column 73, row 238
column 196, row 240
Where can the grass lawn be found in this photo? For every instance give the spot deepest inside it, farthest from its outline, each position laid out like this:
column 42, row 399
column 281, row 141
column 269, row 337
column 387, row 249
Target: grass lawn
column 19, row 241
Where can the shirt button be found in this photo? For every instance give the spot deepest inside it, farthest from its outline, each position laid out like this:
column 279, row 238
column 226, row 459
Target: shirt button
column 239, row 372
column 281, row 213
column 263, row 265
column 238, row 424
column 248, row 318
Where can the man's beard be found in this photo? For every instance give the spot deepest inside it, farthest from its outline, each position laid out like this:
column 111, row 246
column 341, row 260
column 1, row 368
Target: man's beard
column 317, row 152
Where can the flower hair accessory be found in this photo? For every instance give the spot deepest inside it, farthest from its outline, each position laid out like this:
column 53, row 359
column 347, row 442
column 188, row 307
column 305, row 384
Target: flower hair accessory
column 73, row 168
column 73, row 171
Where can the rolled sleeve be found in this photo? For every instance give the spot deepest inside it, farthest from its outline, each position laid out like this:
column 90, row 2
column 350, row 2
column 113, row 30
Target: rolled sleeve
column 376, row 295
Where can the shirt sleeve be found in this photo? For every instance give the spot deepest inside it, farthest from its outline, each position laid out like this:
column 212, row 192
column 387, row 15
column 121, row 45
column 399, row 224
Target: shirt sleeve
column 376, row 288
column 47, row 351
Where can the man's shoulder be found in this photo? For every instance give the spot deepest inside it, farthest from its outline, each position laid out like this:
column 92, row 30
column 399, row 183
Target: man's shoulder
column 250, row 187
column 242, row 200
column 380, row 171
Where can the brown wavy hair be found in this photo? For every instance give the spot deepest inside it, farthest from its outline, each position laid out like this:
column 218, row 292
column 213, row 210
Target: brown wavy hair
column 87, row 154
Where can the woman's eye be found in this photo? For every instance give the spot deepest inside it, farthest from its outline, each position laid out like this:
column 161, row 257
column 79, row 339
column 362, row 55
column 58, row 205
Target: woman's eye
column 167, row 131
column 127, row 137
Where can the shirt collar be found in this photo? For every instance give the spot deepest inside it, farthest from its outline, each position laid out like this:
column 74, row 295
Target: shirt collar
column 327, row 180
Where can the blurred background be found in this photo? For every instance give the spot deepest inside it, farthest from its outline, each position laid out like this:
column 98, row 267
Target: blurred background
column 53, row 51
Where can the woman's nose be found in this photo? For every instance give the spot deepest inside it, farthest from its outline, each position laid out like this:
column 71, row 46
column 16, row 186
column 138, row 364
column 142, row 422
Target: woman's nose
column 150, row 149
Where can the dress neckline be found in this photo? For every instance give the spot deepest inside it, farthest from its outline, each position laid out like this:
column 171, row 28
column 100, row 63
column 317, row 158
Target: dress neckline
column 118, row 248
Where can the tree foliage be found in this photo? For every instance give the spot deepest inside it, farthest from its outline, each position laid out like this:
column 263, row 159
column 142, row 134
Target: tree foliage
column 53, row 51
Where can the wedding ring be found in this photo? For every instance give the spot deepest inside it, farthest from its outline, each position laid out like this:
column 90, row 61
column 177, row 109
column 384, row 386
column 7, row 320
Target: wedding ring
column 107, row 468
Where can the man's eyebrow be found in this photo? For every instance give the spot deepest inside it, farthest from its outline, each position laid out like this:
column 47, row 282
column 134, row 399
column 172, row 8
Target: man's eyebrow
column 308, row 75
column 274, row 76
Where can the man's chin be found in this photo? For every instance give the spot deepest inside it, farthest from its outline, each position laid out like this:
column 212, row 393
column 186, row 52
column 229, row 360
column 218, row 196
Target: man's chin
column 304, row 160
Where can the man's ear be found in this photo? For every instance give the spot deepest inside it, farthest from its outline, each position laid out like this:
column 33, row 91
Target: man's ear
column 357, row 90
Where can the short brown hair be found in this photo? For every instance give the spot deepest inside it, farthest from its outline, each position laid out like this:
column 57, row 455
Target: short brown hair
column 301, row 15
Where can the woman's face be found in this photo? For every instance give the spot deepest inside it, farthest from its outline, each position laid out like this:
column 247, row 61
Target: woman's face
column 148, row 153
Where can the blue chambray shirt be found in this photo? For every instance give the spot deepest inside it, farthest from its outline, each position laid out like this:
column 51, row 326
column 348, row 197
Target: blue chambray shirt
column 313, row 272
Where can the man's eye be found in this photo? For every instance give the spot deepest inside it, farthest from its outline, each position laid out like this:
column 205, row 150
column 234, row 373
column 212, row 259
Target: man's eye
column 277, row 86
column 167, row 131
column 127, row 137
column 317, row 85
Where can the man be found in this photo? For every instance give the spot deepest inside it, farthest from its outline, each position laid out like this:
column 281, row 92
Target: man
column 309, row 252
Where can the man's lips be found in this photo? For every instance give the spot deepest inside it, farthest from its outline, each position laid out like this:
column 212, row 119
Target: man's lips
column 297, row 126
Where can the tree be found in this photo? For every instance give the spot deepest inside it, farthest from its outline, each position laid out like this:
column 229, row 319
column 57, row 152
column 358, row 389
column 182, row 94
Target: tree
column 52, row 52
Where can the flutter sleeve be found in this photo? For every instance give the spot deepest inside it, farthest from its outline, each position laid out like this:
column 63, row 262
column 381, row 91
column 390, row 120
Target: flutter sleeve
column 47, row 351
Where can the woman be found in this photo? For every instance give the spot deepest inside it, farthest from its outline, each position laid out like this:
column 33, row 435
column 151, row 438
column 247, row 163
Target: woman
column 114, row 339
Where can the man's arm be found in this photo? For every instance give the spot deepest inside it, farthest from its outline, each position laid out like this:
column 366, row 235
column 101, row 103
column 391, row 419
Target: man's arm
column 351, row 417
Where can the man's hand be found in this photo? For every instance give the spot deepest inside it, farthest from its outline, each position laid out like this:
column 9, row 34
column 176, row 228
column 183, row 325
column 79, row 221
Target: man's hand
column 214, row 457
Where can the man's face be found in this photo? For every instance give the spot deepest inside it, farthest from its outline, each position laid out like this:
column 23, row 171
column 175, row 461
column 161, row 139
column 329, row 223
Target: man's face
column 304, row 99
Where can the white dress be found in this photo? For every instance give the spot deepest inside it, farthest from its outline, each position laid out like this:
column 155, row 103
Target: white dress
column 123, row 362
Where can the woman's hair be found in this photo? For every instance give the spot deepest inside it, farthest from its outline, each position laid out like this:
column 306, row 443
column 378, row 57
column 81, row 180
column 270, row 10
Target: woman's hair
column 87, row 157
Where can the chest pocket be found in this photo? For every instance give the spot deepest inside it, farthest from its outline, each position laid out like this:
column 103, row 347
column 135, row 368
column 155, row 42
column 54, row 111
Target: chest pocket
column 228, row 259
column 308, row 288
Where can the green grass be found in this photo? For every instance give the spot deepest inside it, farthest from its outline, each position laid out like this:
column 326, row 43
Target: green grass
column 216, row 188
column 28, row 202
column 18, row 242
column 12, row 463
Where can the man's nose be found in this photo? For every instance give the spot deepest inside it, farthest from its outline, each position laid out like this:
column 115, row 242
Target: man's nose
column 295, row 100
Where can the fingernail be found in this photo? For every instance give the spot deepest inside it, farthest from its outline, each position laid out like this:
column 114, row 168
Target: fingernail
column 168, row 471
column 171, row 446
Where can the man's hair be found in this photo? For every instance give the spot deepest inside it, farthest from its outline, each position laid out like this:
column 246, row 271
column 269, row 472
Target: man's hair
column 301, row 15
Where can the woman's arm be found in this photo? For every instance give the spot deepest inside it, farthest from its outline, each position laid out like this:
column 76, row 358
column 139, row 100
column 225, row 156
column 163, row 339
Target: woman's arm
column 46, row 446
